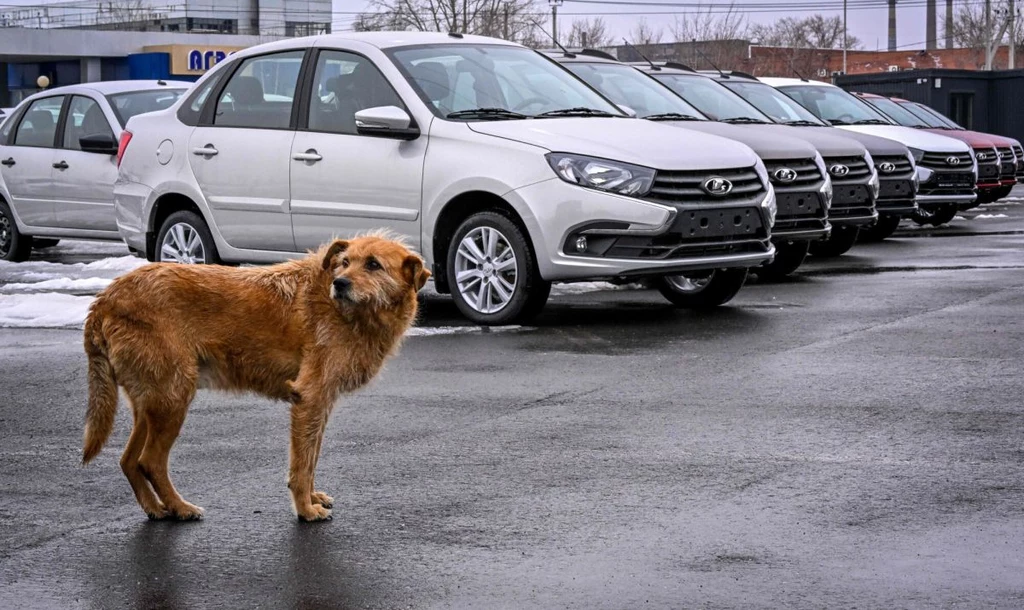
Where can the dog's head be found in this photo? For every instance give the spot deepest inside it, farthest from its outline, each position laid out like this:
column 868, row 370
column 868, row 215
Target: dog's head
column 372, row 272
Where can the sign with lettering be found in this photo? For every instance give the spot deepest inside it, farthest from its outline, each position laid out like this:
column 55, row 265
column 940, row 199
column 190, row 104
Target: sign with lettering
column 190, row 60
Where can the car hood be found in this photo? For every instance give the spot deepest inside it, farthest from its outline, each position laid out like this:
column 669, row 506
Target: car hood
column 829, row 145
column 629, row 140
column 878, row 147
column 767, row 146
column 975, row 138
column 914, row 138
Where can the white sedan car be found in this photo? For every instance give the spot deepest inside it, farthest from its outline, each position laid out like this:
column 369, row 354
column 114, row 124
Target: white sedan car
column 58, row 165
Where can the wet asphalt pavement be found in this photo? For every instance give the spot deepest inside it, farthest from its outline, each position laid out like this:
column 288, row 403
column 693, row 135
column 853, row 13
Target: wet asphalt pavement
column 853, row 437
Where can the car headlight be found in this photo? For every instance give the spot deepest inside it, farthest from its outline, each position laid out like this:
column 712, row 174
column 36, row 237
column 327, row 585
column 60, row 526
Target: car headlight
column 826, row 192
column 923, row 174
column 770, row 206
column 602, row 174
column 916, row 153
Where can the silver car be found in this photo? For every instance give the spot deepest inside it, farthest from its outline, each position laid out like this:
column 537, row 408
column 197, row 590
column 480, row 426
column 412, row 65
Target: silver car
column 504, row 170
column 57, row 161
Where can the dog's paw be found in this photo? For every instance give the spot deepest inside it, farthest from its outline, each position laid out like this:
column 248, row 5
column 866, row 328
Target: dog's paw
column 186, row 512
column 315, row 513
column 158, row 514
column 319, row 497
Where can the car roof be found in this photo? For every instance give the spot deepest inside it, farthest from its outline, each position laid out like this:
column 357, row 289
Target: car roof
column 729, row 75
column 111, row 87
column 592, row 56
column 870, row 96
column 782, row 82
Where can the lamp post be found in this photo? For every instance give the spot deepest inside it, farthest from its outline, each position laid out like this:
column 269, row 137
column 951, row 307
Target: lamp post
column 554, row 18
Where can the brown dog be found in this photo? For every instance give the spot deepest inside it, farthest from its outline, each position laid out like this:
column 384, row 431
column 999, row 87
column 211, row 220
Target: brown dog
column 302, row 331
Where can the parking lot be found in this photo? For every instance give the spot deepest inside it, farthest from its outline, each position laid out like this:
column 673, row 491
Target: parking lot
column 851, row 437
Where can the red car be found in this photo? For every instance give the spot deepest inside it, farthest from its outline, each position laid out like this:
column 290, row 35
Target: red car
column 997, row 163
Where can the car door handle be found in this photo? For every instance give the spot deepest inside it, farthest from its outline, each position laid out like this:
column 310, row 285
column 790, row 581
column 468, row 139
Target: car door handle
column 9, row 161
column 62, row 164
column 205, row 151
column 309, row 155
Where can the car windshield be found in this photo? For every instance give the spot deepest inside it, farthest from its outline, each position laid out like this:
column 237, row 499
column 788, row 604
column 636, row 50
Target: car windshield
column 496, row 82
column 127, row 105
column 769, row 100
column 712, row 99
column 629, row 87
column 896, row 112
column 834, row 105
column 930, row 116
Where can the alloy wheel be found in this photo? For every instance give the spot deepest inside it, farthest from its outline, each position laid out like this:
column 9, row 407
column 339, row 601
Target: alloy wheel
column 694, row 282
column 6, row 234
column 183, row 244
column 486, row 270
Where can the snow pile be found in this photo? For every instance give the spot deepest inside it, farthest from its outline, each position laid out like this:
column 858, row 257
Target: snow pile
column 984, row 216
column 64, row 284
column 584, row 287
column 43, row 310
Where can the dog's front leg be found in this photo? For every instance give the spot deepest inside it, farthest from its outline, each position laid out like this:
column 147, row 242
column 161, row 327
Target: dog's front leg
column 309, row 417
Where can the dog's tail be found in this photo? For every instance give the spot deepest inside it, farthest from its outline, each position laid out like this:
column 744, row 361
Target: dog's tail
column 99, row 417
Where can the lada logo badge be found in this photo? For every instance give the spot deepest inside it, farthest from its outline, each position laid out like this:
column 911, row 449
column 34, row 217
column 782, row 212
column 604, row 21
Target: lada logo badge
column 784, row 174
column 952, row 161
column 839, row 170
column 887, row 168
column 717, row 186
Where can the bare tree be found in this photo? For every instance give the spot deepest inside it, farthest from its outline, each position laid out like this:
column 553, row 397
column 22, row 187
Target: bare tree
column 972, row 31
column 704, row 25
column 643, row 34
column 509, row 19
column 591, row 33
column 814, row 32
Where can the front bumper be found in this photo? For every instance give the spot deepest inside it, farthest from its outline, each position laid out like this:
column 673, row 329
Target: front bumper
column 853, row 205
column 632, row 237
column 801, row 216
column 896, row 197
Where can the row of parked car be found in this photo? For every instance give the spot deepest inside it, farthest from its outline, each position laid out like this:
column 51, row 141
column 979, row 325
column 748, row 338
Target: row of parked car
column 508, row 168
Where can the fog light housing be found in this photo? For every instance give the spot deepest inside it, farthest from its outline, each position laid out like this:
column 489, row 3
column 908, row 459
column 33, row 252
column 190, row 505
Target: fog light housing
column 581, row 243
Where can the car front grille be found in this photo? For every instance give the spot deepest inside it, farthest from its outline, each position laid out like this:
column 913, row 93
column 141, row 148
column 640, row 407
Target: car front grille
column 949, row 183
column 1007, row 163
column 900, row 163
column 857, row 170
column 941, row 161
column 1019, row 152
column 688, row 187
column 808, row 177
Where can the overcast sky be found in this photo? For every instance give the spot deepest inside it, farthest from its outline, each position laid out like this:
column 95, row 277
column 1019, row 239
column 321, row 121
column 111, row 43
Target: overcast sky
column 868, row 19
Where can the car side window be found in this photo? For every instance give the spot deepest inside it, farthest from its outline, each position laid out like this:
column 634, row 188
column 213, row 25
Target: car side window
column 344, row 84
column 39, row 124
column 261, row 92
column 85, row 118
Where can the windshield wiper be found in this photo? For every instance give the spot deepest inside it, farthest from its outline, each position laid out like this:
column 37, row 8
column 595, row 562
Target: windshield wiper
column 839, row 122
column 578, row 111
column 672, row 116
column 870, row 122
column 745, row 120
column 803, row 123
column 485, row 113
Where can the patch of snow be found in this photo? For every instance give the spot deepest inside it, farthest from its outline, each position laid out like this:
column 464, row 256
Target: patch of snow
column 984, row 216
column 43, row 310
column 584, row 287
column 958, row 218
column 66, row 284
column 433, row 331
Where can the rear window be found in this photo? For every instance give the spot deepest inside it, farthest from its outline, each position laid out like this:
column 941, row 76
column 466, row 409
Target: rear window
column 127, row 105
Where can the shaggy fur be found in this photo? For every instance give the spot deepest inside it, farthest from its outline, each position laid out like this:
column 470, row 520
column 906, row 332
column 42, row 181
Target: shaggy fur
column 303, row 331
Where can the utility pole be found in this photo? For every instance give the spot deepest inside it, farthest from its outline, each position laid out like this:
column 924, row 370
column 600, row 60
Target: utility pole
column 844, row 37
column 988, row 34
column 930, row 34
column 892, row 25
column 554, row 18
column 1011, row 62
column 504, row 28
column 949, row 24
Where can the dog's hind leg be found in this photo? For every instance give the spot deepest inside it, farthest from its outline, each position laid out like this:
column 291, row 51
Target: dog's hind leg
column 319, row 497
column 165, row 416
column 133, row 471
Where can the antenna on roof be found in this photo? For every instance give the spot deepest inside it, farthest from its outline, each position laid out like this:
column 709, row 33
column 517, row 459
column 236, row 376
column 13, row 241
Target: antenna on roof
column 630, row 45
column 708, row 59
column 557, row 44
column 797, row 72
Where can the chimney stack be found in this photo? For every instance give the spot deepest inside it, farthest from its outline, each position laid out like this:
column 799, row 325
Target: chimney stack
column 930, row 34
column 892, row 25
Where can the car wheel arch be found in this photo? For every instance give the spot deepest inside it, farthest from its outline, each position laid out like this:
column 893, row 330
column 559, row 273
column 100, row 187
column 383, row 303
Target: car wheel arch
column 451, row 216
column 163, row 207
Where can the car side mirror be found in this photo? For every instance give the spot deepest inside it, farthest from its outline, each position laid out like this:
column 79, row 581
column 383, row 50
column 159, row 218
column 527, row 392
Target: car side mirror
column 102, row 143
column 386, row 122
column 629, row 111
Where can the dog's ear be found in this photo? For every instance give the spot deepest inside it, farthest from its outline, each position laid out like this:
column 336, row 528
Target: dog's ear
column 337, row 247
column 415, row 274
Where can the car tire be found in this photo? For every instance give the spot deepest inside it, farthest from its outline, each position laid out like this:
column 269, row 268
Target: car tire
column 702, row 289
column 482, row 240
column 837, row 244
column 14, row 247
column 39, row 243
column 883, row 228
column 936, row 216
column 789, row 255
column 188, row 240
